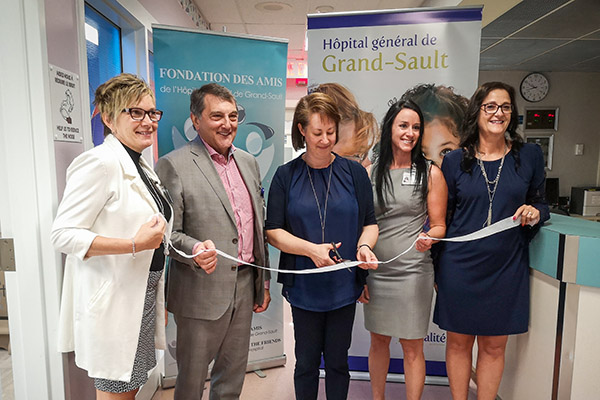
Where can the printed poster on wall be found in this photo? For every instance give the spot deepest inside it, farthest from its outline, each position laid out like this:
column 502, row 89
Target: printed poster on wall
column 378, row 56
column 65, row 100
column 185, row 59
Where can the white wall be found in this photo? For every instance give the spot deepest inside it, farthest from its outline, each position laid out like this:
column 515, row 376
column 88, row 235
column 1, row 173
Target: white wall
column 576, row 94
column 62, row 44
column 293, row 93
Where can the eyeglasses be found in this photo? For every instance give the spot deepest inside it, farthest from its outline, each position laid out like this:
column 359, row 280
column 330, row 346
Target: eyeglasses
column 492, row 108
column 138, row 114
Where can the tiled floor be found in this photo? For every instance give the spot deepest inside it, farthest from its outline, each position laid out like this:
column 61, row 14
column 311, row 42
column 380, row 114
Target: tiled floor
column 278, row 383
column 273, row 387
column 7, row 391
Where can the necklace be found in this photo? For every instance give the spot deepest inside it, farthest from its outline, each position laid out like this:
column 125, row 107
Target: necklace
column 491, row 191
column 323, row 216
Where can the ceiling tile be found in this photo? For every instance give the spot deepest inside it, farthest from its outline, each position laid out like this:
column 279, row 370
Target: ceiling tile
column 349, row 5
column 513, row 51
column 519, row 16
column 485, row 43
column 219, row 11
column 395, row 4
column 565, row 57
column 440, row 3
column 295, row 32
column 574, row 18
column 591, row 65
column 567, row 23
column 595, row 35
column 296, row 14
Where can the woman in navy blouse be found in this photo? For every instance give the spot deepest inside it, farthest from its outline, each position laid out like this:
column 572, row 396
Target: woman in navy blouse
column 320, row 211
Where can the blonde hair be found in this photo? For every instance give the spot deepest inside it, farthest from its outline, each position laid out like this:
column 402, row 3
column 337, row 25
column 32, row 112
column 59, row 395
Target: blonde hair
column 315, row 103
column 366, row 129
column 118, row 93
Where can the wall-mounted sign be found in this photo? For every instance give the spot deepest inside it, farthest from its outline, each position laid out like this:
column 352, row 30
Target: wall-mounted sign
column 66, row 105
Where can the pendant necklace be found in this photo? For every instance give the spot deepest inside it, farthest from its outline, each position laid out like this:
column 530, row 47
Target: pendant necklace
column 489, row 184
column 322, row 216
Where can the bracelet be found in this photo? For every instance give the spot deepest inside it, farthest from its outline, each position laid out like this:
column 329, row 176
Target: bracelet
column 132, row 247
column 365, row 245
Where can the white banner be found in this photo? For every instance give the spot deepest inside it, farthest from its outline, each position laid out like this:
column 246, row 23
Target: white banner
column 378, row 55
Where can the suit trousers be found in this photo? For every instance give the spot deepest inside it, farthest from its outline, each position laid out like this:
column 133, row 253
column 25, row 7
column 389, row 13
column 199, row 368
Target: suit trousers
column 327, row 333
column 225, row 340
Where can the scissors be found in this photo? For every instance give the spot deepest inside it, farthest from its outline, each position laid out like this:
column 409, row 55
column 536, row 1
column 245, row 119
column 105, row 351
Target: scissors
column 336, row 255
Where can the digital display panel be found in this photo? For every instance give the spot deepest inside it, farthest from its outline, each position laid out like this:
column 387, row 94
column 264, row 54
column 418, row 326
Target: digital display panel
column 541, row 119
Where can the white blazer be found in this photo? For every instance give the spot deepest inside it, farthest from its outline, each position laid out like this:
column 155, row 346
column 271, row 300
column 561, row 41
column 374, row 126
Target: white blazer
column 103, row 296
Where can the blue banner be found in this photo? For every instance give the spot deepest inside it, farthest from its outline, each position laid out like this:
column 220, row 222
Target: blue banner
column 254, row 69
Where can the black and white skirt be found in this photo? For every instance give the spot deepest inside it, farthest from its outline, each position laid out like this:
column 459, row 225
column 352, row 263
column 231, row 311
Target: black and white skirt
column 145, row 356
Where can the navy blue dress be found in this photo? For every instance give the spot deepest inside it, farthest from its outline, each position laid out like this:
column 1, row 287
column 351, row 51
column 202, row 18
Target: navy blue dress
column 292, row 206
column 483, row 285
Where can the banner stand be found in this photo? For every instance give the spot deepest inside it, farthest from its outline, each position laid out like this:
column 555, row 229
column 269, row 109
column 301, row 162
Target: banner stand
column 378, row 56
column 186, row 59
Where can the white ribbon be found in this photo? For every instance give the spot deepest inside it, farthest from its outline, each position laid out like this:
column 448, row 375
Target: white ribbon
column 500, row 226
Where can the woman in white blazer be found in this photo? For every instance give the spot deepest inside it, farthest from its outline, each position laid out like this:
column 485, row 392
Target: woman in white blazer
column 112, row 225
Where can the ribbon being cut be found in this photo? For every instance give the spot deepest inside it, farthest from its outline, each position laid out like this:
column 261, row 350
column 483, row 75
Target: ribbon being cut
column 500, row 226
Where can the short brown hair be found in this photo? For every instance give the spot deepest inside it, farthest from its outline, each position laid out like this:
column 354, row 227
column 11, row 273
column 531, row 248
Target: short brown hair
column 318, row 103
column 118, row 93
column 197, row 97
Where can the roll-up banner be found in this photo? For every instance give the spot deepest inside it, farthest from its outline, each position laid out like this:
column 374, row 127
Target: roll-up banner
column 378, row 56
column 254, row 69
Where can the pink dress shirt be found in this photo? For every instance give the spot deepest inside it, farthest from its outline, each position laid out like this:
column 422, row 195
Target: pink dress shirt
column 239, row 198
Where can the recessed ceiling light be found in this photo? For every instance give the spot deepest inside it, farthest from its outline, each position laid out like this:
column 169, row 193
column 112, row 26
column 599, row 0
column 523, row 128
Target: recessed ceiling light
column 272, row 6
column 324, row 9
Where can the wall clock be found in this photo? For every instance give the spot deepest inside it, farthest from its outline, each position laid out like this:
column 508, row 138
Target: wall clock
column 534, row 87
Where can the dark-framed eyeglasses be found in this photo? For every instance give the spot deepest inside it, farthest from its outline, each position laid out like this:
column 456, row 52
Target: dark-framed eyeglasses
column 138, row 114
column 492, row 108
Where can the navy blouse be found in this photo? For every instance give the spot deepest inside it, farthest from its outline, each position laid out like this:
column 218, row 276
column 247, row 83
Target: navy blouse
column 292, row 206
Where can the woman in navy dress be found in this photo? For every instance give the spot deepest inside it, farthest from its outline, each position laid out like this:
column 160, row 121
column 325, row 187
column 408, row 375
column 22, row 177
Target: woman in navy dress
column 483, row 285
column 319, row 204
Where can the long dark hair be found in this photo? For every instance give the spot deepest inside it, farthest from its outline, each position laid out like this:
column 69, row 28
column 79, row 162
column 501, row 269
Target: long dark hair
column 385, row 157
column 471, row 124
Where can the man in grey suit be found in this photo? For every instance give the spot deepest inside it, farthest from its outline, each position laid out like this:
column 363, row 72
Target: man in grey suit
column 217, row 201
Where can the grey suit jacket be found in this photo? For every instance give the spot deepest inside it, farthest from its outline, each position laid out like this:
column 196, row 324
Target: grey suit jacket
column 201, row 211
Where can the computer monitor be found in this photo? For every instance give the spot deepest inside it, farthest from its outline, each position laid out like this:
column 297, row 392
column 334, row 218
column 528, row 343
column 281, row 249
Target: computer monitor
column 552, row 192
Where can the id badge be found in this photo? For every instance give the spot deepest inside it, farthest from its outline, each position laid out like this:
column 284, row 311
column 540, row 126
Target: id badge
column 409, row 178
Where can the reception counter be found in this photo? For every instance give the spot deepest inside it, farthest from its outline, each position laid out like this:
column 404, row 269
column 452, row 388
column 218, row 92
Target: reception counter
column 559, row 357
